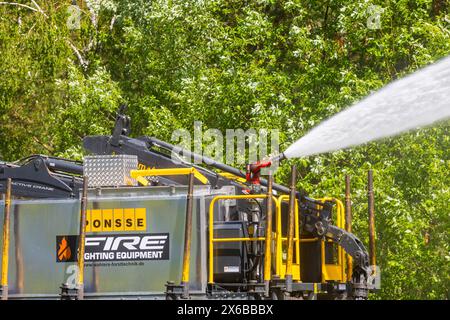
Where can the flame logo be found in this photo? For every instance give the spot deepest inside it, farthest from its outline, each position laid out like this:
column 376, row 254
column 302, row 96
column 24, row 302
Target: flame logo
column 64, row 252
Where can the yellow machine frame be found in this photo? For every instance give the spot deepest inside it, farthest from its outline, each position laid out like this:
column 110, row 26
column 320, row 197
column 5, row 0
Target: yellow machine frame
column 335, row 272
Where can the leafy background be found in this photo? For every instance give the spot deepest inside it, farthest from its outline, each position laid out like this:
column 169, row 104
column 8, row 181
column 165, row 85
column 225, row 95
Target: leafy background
column 285, row 65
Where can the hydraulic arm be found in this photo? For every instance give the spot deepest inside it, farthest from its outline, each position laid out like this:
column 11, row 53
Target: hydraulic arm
column 316, row 219
column 41, row 176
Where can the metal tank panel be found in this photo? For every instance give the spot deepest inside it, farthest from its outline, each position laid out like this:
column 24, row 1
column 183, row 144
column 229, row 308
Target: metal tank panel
column 44, row 232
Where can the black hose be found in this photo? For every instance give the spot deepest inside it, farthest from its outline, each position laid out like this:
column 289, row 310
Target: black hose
column 212, row 162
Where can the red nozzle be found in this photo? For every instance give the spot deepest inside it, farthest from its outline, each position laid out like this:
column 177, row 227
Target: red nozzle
column 254, row 171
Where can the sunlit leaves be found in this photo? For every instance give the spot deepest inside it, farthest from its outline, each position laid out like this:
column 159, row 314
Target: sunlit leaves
column 270, row 64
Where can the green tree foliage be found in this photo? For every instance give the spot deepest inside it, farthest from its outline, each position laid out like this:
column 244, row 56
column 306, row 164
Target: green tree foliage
column 286, row 65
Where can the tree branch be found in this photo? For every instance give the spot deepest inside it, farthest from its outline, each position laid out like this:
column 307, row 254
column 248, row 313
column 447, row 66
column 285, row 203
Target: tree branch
column 113, row 20
column 83, row 62
column 20, row 5
column 39, row 8
column 25, row 6
column 91, row 8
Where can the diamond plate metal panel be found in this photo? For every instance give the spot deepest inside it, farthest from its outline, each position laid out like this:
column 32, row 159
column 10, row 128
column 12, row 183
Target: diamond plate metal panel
column 110, row 170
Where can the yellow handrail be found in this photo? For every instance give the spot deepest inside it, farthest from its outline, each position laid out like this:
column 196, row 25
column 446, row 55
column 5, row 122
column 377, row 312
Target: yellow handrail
column 212, row 240
column 280, row 238
column 238, row 239
column 6, row 239
column 139, row 174
column 340, row 223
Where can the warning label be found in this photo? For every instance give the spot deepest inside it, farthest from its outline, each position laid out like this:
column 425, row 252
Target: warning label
column 115, row 247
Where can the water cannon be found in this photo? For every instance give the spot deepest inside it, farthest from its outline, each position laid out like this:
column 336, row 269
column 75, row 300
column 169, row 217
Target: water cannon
column 279, row 157
column 253, row 174
column 253, row 171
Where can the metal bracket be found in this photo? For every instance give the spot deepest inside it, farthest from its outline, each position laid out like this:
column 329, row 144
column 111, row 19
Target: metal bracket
column 176, row 291
column 68, row 292
column 4, row 292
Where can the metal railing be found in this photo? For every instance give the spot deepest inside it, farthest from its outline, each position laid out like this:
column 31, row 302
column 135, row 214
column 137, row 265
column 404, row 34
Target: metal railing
column 335, row 271
column 213, row 240
column 280, row 267
column 140, row 174
column 329, row 271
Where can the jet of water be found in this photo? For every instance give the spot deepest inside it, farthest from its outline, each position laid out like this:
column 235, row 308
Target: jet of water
column 414, row 101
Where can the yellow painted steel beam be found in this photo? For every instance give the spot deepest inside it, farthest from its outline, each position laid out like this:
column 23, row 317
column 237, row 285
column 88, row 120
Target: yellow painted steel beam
column 232, row 177
column 142, row 180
